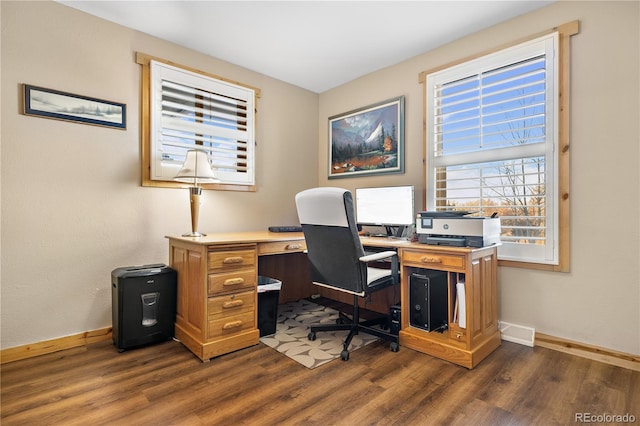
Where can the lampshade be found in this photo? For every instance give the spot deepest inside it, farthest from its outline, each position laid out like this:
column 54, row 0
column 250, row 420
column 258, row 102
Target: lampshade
column 196, row 169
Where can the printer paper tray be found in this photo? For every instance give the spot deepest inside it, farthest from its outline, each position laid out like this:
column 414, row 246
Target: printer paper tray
column 443, row 241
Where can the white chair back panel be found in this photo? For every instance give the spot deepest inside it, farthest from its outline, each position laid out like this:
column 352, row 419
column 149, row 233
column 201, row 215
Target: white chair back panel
column 320, row 207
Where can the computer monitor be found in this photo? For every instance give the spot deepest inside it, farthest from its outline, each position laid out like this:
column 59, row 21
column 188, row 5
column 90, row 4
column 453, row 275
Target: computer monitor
column 388, row 206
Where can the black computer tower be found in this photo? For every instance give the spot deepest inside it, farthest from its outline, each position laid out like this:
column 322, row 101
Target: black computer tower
column 143, row 304
column 428, row 300
column 394, row 319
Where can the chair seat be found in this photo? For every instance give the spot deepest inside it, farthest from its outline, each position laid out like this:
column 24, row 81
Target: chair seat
column 374, row 274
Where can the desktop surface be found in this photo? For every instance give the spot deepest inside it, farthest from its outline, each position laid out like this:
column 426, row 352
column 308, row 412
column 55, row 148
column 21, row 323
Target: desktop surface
column 373, row 238
column 241, row 237
column 267, row 237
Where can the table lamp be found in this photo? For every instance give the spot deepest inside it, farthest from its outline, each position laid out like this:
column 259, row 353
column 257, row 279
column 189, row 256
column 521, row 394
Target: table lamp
column 196, row 170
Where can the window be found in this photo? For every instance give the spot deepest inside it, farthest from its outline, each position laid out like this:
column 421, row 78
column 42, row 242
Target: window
column 188, row 109
column 492, row 145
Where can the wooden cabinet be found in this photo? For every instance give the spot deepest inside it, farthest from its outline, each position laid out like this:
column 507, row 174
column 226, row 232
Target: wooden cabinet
column 217, row 296
column 477, row 268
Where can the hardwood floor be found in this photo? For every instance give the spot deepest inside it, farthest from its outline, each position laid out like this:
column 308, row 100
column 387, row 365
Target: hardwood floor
column 165, row 384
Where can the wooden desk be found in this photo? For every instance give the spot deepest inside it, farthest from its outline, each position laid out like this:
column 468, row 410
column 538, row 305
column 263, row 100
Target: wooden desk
column 216, row 308
column 477, row 267
column 217, row 291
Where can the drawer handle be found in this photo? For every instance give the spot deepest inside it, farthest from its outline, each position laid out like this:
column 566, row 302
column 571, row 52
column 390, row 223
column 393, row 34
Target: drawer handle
column 233, row 324
column 232, row 260
column 293, row 247
column 232, row 304
column 234, row 281
column 431, row 260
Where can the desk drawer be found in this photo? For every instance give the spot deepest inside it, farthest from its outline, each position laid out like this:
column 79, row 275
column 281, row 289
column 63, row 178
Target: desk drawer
column 231, row 304
column 456, row 333
column 278, row 247
column 231, row 281
column 232, row 259
column 431, row 259
column 230, row 325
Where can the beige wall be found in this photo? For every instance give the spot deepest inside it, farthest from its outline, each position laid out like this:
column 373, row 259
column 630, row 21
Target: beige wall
column 598, row 302
column 72, row 205
column 82, row 212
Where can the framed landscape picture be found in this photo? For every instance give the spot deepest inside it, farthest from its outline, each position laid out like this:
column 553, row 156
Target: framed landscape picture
column 368, row 140
column 49, row 103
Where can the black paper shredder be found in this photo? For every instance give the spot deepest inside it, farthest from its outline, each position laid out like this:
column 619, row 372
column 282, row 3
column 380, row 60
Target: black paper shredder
column 143, row 300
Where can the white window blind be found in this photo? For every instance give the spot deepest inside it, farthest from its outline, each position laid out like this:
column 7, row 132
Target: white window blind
column 491, row 139
column 192, row 110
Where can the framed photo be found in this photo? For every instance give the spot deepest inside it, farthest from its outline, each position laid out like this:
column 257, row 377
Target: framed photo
column 55, row 104
column 368, row 140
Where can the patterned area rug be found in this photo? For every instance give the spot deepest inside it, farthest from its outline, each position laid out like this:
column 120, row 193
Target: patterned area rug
column 292, row 328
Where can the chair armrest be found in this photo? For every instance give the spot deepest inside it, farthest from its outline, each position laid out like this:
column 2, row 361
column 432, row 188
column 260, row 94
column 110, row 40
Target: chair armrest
column 378, row 256
column 389, row 254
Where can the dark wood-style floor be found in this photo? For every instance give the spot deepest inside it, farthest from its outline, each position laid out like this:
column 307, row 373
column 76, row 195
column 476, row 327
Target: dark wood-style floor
column 164, row 384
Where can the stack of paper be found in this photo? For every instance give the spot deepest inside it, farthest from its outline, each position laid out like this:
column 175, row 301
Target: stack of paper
column 461, row 305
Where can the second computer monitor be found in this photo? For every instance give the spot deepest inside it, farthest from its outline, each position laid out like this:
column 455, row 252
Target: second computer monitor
column 388, row 206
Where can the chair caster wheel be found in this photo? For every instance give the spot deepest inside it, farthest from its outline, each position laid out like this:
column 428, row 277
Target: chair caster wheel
column 344, row 355
column 311, row 336
column 394, row 347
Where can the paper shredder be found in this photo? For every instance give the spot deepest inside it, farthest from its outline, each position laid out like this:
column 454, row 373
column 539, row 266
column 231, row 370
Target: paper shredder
column 143, row 300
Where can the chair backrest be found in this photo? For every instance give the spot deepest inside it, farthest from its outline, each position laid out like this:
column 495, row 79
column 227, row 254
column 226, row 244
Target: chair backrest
column 327, row 218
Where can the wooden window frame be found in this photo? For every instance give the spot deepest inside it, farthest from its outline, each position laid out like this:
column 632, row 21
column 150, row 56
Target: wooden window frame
column 145, row 127
column 565, row 32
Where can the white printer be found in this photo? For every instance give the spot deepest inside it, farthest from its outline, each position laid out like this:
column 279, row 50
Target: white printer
column 457, row 229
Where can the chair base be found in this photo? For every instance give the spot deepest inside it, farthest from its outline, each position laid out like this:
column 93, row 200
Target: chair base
column 355, row 326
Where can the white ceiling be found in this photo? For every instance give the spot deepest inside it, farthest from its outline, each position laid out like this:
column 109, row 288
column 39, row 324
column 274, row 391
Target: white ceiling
column 316, row 45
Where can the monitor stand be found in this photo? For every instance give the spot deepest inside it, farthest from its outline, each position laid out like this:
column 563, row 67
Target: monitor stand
column 399, row 231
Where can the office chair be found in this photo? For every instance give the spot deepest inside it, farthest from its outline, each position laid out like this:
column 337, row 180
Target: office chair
column 338, row 261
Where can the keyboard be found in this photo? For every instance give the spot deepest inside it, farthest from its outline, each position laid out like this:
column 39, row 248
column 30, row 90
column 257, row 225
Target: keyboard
column 285, row 228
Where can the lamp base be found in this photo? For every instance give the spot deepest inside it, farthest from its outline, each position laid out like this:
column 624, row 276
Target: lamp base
column 194, row 234
column 194, row 197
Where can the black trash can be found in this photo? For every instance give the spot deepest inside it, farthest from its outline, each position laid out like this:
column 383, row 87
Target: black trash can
column 143, row 302
column 268, row 294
